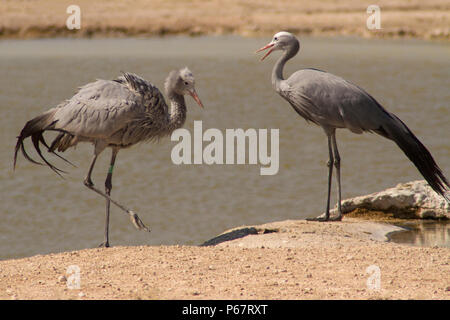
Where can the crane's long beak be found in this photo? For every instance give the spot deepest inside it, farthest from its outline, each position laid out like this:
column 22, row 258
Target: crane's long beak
column 194, row 95
column 270, row 45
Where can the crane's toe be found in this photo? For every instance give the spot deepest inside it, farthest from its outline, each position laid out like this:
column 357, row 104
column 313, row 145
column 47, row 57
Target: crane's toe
column 335, row 218
column 104, row 245
column 88, row 183
column 320, row 218
column 324, row 218
column 137, row 222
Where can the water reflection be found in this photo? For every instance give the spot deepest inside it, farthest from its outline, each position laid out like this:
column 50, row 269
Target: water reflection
column 423, row 233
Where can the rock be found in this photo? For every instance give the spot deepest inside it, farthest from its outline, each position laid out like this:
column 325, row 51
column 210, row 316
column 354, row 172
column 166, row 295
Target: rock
column 62, row 279
column 412, row 200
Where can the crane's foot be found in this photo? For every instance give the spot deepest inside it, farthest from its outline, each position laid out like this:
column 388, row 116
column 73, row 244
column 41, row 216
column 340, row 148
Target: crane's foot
column 137, row 222
column 104, row 245
column 88, row 183
column 321, row 219
column 324, row 218
column 335, row 218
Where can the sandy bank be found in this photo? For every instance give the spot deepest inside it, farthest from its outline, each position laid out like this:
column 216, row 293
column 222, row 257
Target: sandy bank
column 111, row 18
column 281, row 260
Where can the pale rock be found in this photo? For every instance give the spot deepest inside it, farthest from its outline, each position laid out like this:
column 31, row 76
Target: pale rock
column 413, row 199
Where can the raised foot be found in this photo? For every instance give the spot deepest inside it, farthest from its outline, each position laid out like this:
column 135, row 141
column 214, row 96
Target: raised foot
column 88, row 183
column 137, row 222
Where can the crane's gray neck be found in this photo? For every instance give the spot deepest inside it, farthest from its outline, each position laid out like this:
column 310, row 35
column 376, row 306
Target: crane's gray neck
column 177, row 112
column 177, row 108
column 277, row 71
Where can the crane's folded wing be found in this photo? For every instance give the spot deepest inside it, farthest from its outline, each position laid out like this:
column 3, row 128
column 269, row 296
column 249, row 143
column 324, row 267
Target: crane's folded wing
column 102, row 108
column 329, row 100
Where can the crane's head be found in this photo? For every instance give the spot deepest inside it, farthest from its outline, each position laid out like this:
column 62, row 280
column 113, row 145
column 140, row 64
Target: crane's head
column 281, row 41
column 183, row 83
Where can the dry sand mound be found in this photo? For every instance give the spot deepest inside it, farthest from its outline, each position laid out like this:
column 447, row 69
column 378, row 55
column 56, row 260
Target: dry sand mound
column 282, row 260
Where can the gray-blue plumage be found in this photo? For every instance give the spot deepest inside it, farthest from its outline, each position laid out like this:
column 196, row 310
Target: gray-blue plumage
column 111, row 113
column 331, row 102
column 118, row 112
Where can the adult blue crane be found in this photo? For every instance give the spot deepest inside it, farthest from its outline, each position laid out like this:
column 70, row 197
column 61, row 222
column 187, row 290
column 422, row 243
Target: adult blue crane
column 333, row 103
column 112, row 113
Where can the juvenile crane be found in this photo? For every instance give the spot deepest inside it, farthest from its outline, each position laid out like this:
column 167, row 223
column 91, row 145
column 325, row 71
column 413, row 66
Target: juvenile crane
column 111, row 113
column 333, row 103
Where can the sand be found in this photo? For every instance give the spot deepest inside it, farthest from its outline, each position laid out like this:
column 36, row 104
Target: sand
column 117, row 18
column 281, row 260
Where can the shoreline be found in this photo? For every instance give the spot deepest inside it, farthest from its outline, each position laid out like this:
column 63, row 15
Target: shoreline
column 399, row 19
column 58, row 32
column 293, row 259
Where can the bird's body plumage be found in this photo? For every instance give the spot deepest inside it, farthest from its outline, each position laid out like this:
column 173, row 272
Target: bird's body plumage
column 111, row 113
column 330, row 101
column 334, row 103
column 119, row 112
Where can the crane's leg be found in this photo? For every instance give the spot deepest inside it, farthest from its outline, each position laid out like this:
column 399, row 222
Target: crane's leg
column 87, row 181
column 137, row 222
column 337, row 165
column 108, row 188
column 330, row 174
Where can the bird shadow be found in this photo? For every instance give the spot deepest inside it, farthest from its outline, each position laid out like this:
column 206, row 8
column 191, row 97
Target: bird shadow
column 236, row 234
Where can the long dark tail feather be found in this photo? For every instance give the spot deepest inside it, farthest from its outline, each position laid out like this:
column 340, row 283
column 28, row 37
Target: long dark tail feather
column 35, row 129
column 51, row 150
column 423, row 160
column 21, row 146
column 35, row 138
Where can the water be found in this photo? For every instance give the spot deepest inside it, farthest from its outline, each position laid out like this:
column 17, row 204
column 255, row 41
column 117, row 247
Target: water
column 423, row 233
column 42, row 213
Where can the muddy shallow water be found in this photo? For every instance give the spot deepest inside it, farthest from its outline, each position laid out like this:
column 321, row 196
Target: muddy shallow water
column 189, row 204
column 423, row 233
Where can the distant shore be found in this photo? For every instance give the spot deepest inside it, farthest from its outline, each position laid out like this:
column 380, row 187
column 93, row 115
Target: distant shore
column 293, row 259
column 141, row 18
